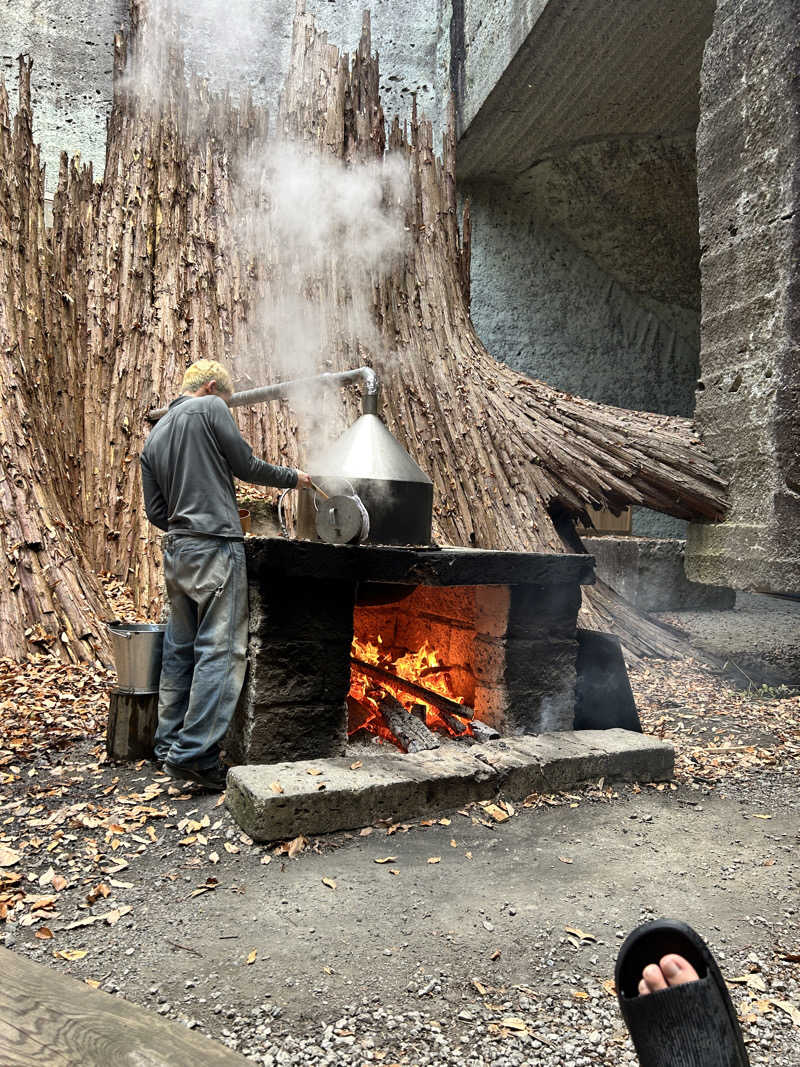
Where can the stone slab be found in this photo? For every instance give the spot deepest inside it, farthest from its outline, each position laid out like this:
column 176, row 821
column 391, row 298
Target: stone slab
column 649, row 572
column 415, row 566
column 398, row 787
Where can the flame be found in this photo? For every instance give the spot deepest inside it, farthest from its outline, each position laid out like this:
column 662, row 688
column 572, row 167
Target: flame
column 425, row 667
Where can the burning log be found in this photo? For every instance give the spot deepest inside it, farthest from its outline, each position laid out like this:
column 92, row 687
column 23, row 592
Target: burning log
column 436, row 700
column 413, row 734
column 481, row 731
column 457, row 726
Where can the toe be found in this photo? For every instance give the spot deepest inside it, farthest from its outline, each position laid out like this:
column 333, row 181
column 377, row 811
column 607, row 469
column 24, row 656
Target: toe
column 653, row 978
column 677, row 970
column 643, row 990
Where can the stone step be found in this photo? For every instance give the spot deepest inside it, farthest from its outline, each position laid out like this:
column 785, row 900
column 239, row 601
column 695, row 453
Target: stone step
column 281, row 800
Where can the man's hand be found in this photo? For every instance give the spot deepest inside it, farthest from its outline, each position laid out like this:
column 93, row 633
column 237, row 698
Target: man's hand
column 303, row 480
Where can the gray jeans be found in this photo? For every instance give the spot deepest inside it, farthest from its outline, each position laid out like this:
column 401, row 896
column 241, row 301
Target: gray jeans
column 205, row 647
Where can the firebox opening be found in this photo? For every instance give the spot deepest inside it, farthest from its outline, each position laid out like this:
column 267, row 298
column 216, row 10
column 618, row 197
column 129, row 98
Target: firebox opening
column 436, row 639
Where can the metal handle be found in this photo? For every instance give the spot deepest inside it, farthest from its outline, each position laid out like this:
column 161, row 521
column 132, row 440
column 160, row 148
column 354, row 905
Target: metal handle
column 281, row 516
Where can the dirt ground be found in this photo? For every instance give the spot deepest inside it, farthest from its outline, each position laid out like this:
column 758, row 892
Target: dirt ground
column 457, row 940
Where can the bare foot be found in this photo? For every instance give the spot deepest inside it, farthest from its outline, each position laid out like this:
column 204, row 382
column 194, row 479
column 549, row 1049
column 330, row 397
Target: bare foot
column 670, row 971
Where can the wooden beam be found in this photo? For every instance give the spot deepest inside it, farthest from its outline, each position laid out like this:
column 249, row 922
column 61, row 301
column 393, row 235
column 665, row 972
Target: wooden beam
column 49, row 1019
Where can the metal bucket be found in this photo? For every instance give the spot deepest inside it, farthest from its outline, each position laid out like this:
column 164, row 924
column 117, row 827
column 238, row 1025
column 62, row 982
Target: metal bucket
column 137, row 654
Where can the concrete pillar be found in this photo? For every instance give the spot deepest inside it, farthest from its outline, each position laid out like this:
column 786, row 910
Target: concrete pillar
column 748, row 402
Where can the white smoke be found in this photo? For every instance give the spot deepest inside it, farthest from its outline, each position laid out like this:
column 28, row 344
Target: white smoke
column 336, row 228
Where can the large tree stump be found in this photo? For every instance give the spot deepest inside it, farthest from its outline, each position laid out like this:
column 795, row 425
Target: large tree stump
column 178, row 254
column 132, row 721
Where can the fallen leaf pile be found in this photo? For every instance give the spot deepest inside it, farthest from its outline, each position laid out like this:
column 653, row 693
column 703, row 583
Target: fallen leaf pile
column 46, row 705
column 717, row 729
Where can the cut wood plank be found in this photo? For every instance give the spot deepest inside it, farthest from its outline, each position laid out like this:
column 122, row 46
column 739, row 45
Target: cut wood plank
column 49, row 1019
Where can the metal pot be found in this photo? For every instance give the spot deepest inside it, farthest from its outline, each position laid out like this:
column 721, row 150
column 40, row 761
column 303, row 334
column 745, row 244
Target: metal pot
column 397, row 494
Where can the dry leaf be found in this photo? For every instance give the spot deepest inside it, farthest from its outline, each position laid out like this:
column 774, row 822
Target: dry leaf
column 752, row 981
column 100, row 890
column 276, row 787
column 233, row 849
column 252, row 956
column 8, row 857
column 760, row 816
column 791, row 1010
column 114, row 916
column 510, row 1022
column 358, row 763
column 495, row 812
column 40, row 904
column 188, row 840
column 59, row 882
column 480, row 987
column 453, row 843
column 93, row 982
column 314, row 771
column 435, row 859
column 610, row 987
column 496, row 955
column 329, row 882
column 444, row 822
column 213, row 857
column 564, row 859
column 580, row 994
column 580, row 933
column 394, row 870
column 72, row 954
column 385, row 859
column 266, row 859
column 365, row 832
column 44, row 933
column 47, row 877
column 296, row 847
column 468, row 855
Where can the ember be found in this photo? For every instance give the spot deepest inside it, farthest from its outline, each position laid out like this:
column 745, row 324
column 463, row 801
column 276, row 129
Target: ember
column 381, row 704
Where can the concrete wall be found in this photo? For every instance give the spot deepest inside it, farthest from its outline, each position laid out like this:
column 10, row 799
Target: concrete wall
column 234, row 41
column 72, row 49
column 749, row 181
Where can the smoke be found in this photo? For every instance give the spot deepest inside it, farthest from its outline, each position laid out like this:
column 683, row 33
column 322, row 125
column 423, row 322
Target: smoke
column 317, row 232
column 332, row 229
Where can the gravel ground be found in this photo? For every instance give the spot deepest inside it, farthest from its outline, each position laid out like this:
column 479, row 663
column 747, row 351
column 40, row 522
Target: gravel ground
column 458, row 940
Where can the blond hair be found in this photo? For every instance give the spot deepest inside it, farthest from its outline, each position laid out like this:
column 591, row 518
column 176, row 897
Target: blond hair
column 204, row 371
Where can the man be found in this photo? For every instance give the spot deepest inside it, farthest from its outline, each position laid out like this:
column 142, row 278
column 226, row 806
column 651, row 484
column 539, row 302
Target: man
column 188, row 465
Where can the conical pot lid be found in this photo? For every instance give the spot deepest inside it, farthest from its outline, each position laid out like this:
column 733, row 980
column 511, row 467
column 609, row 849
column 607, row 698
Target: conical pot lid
column 368, row 450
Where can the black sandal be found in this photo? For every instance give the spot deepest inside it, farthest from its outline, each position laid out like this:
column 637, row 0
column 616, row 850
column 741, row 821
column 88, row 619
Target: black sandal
column 689, row 1025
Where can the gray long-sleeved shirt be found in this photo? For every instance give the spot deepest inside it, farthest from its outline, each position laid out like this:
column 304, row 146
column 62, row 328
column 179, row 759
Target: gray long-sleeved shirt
column 189, row 461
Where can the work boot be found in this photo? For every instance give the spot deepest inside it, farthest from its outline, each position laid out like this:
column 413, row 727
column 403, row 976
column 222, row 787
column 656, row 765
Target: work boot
column 210, row 778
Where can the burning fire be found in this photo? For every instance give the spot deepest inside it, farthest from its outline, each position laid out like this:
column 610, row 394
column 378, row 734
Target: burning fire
column 425, row 667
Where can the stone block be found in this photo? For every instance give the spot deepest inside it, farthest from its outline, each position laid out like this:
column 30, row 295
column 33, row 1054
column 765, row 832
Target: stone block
column 748, row 164
column 491, row 609
column 649, row 572
column 266, row 733
column 392, row 787
column 536, row 609
column 397, row 787
column 298, row 671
